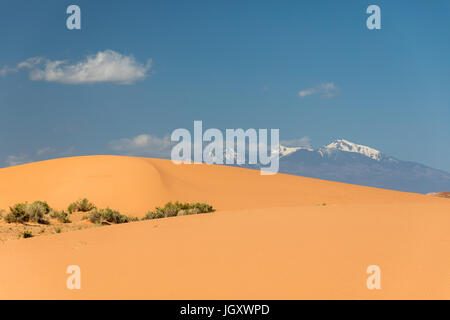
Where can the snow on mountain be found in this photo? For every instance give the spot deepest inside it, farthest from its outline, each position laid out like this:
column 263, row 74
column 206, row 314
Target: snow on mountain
column 348, row 162
column 285, row 151
column 347, row 146
column 231, row 154
column 338, row 145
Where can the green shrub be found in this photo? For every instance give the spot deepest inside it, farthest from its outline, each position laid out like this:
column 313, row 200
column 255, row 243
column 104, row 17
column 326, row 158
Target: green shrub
column 17, row 214
column 27, row 234
column 36, row 212
column 108, row 215
column 178, row 209
column 82, row 205
column 94, row 216
column 202, row 207
column 113, row 216
column 26, row 212
column 58, row 230
column 61, row 216
column 154, row 215
column 188, row 212
column 44, row 206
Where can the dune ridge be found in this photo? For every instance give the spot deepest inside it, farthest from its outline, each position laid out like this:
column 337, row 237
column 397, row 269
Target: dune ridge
column 136, row 185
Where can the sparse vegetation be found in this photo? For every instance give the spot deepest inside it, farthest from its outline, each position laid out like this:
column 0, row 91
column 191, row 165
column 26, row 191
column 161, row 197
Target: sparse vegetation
column 61, row 216
column 44, row 206
column 37, row 212
column 26, row 212
column 109, row 216
column 17, row 214
column 40, row 212
column 82, row 205
column 27, row 234
column 178, row 209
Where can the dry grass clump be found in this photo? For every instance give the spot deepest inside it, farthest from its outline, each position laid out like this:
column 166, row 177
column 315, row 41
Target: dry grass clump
column 82, row 205
column 178, row 209
column 28, row 212
column 62, row 216
column 27, row 234
column 109, row 216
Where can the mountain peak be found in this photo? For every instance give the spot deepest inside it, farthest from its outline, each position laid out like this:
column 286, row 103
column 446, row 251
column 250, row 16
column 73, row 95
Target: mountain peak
column 347, row 146
column 285, row 151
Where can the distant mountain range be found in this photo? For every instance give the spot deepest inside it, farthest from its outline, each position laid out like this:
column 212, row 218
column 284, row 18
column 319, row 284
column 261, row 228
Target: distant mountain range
column 344, row 161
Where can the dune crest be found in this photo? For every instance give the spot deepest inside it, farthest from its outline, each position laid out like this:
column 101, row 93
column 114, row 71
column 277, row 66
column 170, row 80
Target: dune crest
column 136, row 185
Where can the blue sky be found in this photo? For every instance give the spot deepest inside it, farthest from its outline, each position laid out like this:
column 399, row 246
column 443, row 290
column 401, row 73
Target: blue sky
column 232, row 64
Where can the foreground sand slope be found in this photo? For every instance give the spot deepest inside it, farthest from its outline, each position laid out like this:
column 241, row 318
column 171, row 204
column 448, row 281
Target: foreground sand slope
column 269, row 238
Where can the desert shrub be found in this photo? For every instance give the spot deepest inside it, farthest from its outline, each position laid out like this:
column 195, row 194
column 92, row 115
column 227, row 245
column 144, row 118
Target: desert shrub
column 61, row 216
column 95, row 216
column 113, row 216
column 178, row 209
column 27, row 234
column 82, row 205
column 202, row 207
column 17, row 214
column 26, row 212
column 98, row 216
column 58, row 230
column 44, row 206
column 154, row 215
column 188, row 212
column 170, row 209
column 36, row 212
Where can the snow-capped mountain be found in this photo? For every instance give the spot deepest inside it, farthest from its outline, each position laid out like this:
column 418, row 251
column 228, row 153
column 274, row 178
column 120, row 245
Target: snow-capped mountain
column 347, row 146
column 345, row 161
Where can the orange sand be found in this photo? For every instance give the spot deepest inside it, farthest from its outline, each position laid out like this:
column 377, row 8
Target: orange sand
column 269, row 238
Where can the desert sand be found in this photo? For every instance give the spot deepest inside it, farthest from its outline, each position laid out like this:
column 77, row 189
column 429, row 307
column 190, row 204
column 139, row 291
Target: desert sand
column 272, row 237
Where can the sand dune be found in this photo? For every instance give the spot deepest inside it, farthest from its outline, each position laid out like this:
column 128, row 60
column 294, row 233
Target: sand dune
column 136, row 185
column 269, row 238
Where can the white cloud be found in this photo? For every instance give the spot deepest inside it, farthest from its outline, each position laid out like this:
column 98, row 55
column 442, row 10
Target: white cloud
column 306, row 92
column 5, row 70
column 13, row 160
column 142, row 144
column 105, row 66
column 300, row 142
column 45, row 150
column 327, row 90
column 40, row 154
